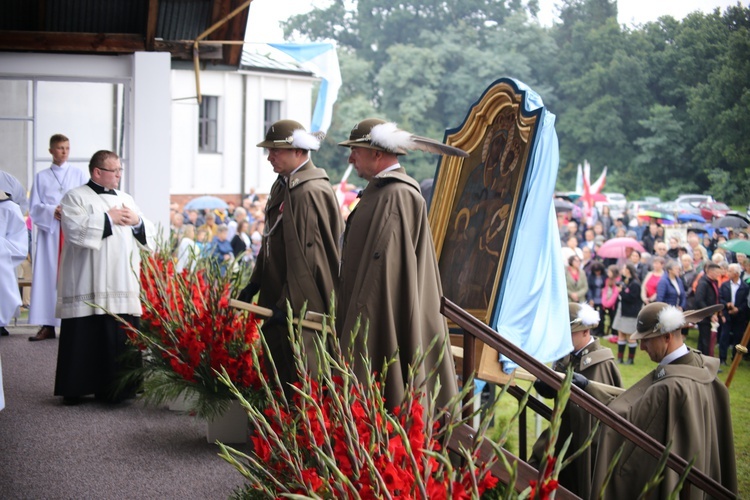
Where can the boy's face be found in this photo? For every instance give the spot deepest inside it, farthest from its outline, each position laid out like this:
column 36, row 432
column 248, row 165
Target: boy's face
column 60, row 152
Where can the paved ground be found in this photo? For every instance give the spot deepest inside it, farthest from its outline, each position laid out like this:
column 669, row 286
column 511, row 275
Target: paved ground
column 93, row 451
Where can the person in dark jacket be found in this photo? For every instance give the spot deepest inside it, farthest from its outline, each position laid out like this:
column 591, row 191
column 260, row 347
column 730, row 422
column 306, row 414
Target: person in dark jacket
column 707, row 294
column 733, row 293
column 596, row 279
column 629, row 306
column 241, row 240
column 671, row 289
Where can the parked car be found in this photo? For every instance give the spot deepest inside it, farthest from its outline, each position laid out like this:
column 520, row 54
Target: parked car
column 694, row 199
column 652, row 199
column 676, row 208
column 617, row 203
column 636, row 206
column 713, row 210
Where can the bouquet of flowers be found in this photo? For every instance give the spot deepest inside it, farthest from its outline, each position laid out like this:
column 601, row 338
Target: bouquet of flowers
column 336, row 439
column 188, row 332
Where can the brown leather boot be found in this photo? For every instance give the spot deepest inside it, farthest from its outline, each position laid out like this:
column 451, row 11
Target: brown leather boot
column 44, row 333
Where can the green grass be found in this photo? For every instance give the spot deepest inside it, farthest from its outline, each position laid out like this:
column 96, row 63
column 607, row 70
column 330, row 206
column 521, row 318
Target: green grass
column 739, row 394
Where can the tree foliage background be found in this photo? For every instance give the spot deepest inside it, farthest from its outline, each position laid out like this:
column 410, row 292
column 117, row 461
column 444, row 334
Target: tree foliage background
column 665, row 105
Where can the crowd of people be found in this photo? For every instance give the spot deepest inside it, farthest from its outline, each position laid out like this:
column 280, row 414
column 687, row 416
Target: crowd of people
column 221, row 233
column 690, row 274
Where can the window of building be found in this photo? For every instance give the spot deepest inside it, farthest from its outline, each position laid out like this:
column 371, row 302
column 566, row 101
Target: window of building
column 208, row 124
column 271, row 114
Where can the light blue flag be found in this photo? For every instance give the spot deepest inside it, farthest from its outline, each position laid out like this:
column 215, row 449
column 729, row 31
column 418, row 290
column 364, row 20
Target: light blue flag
column 322, row 60
column 533, row 304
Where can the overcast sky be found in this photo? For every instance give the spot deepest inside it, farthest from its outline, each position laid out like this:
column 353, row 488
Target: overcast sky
column 265, row 15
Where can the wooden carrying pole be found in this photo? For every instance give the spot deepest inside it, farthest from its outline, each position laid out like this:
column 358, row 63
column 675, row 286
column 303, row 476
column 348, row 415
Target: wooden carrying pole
column 522, row 374
column 739, row 350
column 267, row 313
column 473, row 328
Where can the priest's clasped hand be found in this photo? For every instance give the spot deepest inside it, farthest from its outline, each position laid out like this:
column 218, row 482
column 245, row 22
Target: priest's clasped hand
column 124, row 216
column 548, row 392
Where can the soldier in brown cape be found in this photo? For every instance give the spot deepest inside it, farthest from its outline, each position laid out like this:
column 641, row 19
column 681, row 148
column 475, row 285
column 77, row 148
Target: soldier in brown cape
column 595, row 362
column 681, row 401
column 389, row 275
column 298, row 258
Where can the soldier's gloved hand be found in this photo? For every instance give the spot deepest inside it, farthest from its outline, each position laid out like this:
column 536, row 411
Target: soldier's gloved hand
column 247, row 293
column 580, row 381
column 544, row 390
column 277, row 318
column 548, row 392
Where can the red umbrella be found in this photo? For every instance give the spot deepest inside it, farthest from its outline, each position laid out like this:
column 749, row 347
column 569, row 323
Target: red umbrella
column 616, row 248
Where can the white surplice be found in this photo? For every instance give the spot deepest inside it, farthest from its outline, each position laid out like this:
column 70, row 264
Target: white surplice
column 99, row 270
column 49, row 187
column 14, row 246
column 15, row 189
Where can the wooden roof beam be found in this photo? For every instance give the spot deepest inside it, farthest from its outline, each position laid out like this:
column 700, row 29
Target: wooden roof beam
column 70, row 42
column 151, row 21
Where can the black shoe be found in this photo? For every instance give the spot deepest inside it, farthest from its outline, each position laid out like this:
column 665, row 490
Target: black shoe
column 44, row 333
column 71, row 400
column 4, row 332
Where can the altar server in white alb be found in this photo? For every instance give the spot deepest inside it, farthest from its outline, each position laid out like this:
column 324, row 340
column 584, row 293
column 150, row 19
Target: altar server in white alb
column 49, row 187
column 14, row 245
column 100, row 264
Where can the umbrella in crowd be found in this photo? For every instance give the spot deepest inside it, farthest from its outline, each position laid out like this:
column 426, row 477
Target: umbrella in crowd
column 656, row 216
column 696, row 227
column 737, row 246
column 688, row 217
column 563, row 205
column 616, row 248
column 206, row 203
column 732, row 219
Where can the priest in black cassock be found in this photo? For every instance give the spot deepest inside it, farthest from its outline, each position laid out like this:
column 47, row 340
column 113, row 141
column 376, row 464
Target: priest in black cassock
column 100, row 265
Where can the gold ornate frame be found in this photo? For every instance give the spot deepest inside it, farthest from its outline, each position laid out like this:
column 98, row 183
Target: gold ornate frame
column 476, row 201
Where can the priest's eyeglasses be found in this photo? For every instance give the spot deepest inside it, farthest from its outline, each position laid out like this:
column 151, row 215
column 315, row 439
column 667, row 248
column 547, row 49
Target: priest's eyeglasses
column 114, row 170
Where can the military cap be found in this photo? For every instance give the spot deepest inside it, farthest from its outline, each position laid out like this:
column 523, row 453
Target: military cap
column 658, row 319
column 380, row 135
column 383, row 138
column 289, row 134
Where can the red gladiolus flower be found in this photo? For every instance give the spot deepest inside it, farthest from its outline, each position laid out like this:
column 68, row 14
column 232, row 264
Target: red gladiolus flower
column 311, row 478
column 261, row 448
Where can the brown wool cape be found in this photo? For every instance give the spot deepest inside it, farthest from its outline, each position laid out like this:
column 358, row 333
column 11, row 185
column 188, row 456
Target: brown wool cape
column 682, row 402
column 389, row 277
column 298, row 259
column 597, row 363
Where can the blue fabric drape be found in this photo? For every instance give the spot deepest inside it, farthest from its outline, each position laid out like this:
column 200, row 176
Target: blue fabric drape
column 533, row 305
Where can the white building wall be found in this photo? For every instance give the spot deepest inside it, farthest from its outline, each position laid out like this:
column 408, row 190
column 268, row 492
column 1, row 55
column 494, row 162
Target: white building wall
column 220, row 173
column 150, row 158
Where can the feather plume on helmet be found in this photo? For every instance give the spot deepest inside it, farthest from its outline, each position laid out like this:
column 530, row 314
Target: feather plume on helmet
column 658, row 318
column 386, row 136
column 582, row 317
column 289, row 134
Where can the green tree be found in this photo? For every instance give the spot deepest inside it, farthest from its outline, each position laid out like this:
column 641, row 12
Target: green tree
column 661, row 163
column 719, row 111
